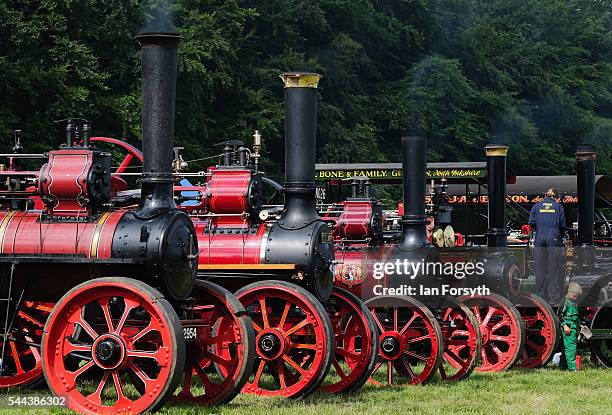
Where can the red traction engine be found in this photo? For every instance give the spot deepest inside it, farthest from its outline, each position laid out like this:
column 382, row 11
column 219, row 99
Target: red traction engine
column 102, row 298
column 415, row 341
column 280, row 262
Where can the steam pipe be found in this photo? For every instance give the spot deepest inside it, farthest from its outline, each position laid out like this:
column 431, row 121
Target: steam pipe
column 496, row 185
column 300, row 149
column 585, row 184
column 158, row 103
column 414, row 165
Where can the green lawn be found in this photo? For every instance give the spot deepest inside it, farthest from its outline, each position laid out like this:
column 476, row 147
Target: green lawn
column 544, row 391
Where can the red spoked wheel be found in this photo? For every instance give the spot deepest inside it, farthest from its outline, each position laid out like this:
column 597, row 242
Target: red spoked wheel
column 113, row 345
column 542, row 331
column 601, row 342
column 21, row 365
column 133, row 156
column 462, row 340
column 410, row 340
column 356, row 341
column 221, row 354
column 502, row 330
column 294, row 339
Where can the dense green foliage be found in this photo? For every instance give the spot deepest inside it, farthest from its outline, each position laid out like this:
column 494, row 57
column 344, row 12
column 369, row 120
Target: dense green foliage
column 535, row 74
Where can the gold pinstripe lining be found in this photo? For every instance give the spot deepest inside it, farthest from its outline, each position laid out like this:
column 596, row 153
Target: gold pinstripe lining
column 95, row 240
column 4, row 226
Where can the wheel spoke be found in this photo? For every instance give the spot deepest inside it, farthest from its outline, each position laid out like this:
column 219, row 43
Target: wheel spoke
column 418, row 339
column 260, row 368
column 157, row 355
column 148, row 329
column 407, row 325
column 407, row 366
column 218, row 359
column 304, row 346
column 452, row 355
column 129, row 306
column 264, row 313
column 395, row 318
column 85, row 326
column 281, row 324
column 118, row 387
column 96, row 396
column 338, row 368
column 107, row 314
column 390, row 372
column 297, row 327
column 488, row 316
column 280, row 367
column 415, row 355
column 15, row 354
column 293, row 364
column 378, row 323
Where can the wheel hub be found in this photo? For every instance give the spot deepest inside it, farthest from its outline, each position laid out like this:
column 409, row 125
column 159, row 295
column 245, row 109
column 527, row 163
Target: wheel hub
column 390, row 346
column 108, row 351
column 270, row 344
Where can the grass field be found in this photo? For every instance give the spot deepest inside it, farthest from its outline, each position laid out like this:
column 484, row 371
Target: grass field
column 544, row 391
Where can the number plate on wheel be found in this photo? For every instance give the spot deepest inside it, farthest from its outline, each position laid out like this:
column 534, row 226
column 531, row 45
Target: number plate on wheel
column 190, row 333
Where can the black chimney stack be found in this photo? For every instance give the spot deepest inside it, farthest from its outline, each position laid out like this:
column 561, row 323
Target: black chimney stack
column 585, row 183
column 158, row 102
column 414, row 166
column 496, row 185
column 300, row 149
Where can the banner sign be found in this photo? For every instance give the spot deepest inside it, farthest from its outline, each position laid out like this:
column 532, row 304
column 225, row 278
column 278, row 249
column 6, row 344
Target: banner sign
column 386, row 174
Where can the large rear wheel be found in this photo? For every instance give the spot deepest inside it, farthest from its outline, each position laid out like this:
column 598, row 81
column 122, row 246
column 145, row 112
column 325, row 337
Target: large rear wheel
column 601, row 342
column 462, row 340
column 356, row 341
column 410, row 340
column 20, row 363
column 542, row 331
column 294, row 339
column 220, row 349
column 113, row 345
column 502, row 330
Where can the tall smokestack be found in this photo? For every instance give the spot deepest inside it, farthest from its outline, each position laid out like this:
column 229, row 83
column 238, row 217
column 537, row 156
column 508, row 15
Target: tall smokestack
column 585, row 183
column 300, row 148
column 414, row 165
column 496, row 184
column 158, row 102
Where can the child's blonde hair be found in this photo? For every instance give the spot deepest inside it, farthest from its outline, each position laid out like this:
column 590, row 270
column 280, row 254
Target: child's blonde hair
column 574, row 288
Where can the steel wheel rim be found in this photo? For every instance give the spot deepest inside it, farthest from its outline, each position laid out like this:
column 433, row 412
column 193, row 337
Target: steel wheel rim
column 303, row 334
column 541, row 331
column 462, row 342
column 407, row 334
column 501, row 330
column 22, row 360
column 223, row 351
column 353, row 344
column 71, row 331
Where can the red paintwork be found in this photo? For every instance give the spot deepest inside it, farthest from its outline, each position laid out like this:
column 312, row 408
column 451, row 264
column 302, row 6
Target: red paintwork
column 64, row 180
column 27, row 233
column 229, row 248
column 354, row 221
column 228, row 191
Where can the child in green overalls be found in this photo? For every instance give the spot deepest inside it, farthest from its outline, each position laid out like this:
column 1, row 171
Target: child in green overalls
column 570, row 327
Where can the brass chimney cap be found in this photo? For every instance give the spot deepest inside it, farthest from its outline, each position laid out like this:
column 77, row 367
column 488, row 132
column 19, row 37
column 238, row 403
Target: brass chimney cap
column 585, row 152
column 496, row 150
column 301, row 79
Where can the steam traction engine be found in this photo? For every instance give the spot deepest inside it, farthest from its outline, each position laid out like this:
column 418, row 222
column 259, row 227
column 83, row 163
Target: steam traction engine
column 115, row 284
column 303, row 325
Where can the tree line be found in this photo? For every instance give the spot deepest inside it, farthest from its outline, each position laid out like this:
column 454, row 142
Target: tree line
column 533, row 74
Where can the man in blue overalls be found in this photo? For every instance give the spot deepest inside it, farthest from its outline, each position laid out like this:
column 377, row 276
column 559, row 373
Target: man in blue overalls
column 548, row 219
